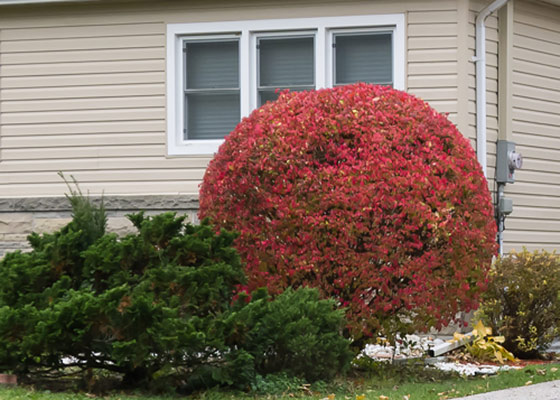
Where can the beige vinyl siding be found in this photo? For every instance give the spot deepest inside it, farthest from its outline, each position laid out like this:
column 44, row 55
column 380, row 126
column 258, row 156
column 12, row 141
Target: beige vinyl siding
column 535, row 222
column 87, row 97
column 475, row 6
column 432, row 57
column 82, row 86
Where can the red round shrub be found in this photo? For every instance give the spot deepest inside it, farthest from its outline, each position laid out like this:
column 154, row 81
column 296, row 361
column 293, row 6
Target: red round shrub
column 364, row 192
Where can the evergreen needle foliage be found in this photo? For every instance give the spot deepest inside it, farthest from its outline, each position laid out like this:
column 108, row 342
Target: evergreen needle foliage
column 156, row 308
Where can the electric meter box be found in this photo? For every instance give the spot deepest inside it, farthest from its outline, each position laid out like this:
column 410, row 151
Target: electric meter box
column 508, row 160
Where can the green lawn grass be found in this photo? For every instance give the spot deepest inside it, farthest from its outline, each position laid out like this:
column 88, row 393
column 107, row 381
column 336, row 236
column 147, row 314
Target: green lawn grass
column 393, row 386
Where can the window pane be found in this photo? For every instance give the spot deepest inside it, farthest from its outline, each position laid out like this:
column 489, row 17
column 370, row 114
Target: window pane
column 363, row 58
column 272, row 94
column 212, row 64
column 267, row 95
column 286, row 61
column 211, row 116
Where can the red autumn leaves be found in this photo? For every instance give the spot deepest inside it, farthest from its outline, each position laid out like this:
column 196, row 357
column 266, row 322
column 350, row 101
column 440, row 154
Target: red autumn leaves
column 364, row 192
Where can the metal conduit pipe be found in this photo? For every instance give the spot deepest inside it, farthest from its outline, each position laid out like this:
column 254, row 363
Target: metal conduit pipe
column 480, row 59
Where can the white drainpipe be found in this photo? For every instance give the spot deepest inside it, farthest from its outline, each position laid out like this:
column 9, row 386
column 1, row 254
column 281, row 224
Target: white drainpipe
column 480, row 59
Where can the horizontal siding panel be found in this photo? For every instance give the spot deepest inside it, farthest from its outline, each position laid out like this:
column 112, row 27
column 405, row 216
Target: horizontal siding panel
column 82, row 31
column 83, row 92
column 116, row 163
column 452, row 116
column 112, row 138
column 536, row 119
column 538, row 143
column 491, row 123
column 491, row 113
column 81, row 104
column 99, row 176
column 491, row 86
column 542, row 105
column 159, row 186
column 432, row 55
column 144, row 53
column 432, row 81
column 536, row 116
column 537, row 32
column 543, row 46
column 523, row 236
column 491, row 34
column 79, row 80
column 518, row 246
column 540, row 16
column 83, row 116
column 532, row 213
column 536, row 93
column 491, row 96
column 528, row 199
column 531, row 174
column 533, row 164
column 540, row 159
column 537, row 189
column 103, row 43
column 542, row 225
column 533, row 128
column 528, row 69
column 434, row 42
column 88, row 127
column 449, row 67
column 432, row 17
column 534, row 56
column 84, row 152
column 428, row 94
column 445, row 29
column 491, row 72
column 77, row 68
column 446, row 106
column 491, row 45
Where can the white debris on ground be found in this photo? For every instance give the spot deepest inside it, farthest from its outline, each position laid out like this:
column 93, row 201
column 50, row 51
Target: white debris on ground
column 414, row 346
column 472, row 369
column 411, row 346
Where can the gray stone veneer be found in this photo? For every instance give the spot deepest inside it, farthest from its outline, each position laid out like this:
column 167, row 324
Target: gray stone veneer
column 21, row 216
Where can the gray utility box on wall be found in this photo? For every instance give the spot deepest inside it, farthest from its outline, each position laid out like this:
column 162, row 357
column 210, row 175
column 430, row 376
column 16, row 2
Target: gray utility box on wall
column 507, row 162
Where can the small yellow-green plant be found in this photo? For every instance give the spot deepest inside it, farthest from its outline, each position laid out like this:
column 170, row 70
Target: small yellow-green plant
column 522, row 302
column 485, row 346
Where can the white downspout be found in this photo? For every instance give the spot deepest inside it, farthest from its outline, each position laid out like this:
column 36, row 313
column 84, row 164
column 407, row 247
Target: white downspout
column 480, row 59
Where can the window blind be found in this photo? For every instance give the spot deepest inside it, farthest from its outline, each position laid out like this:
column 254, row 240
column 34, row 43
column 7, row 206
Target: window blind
column 363, row 57
column 285, row 63
column 212, row 104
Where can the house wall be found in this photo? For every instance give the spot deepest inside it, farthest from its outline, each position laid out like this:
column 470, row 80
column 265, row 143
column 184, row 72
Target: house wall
column 82, row 87
column 492, row 37
column 82, row 90
column 535, row 114
column 535, row 221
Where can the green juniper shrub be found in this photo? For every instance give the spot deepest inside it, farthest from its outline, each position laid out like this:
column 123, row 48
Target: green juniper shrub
column 156, row 307
column 296, row 333
column 523, row 301
column 150, row 306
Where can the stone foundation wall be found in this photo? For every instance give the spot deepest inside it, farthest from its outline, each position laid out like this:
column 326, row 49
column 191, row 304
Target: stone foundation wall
column 21, row 216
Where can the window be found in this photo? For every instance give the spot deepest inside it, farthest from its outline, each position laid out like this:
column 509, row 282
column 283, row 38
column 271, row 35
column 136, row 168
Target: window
column 211, row 88
column 284, row 63
column 219, row 72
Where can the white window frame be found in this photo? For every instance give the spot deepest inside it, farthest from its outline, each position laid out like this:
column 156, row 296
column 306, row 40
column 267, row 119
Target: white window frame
column 248, row 31
column 255, row 63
